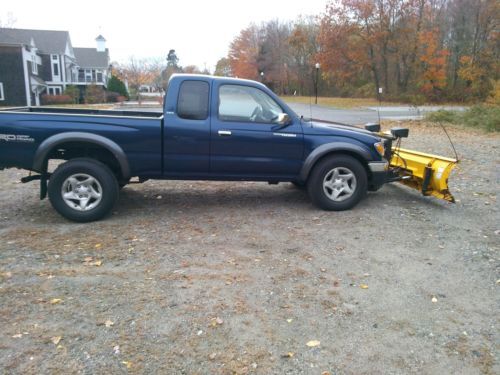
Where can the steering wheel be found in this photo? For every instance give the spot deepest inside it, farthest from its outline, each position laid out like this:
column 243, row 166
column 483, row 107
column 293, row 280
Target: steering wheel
column 257, row 112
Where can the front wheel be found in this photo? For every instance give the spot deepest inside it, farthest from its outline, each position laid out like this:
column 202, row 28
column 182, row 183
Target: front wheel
column 83, row 190
column 337, row 183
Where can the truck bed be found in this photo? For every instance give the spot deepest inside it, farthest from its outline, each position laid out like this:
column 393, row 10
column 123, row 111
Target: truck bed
column 78, row 111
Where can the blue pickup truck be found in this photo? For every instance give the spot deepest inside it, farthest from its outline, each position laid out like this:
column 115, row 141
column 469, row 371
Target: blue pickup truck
column 211, row 128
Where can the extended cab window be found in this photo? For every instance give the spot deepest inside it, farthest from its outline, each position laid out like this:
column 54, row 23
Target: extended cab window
column 247, row 104
column 192, row 103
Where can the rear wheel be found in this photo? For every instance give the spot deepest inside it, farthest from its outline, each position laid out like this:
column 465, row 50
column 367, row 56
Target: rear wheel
column 83, row 190
column 337, row 183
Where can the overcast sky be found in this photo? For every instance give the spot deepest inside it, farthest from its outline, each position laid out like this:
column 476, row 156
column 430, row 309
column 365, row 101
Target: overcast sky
column 200, row 31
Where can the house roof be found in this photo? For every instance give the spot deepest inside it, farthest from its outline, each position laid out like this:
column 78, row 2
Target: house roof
column 91, row 58
column 48, row 41
column 100, row 38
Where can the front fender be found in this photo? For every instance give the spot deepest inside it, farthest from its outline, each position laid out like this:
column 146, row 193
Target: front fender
column 328, row 148
column 47, row 145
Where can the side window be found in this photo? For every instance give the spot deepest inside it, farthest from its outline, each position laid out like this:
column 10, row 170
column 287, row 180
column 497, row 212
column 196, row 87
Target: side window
column 2, row 97
column 247, row 104
column 192, row 103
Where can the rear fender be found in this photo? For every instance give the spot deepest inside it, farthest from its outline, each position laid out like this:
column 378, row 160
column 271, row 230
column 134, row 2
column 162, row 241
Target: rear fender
column 40, row 159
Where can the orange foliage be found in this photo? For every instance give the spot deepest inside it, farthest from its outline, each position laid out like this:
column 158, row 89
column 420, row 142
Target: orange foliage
column 434, row 61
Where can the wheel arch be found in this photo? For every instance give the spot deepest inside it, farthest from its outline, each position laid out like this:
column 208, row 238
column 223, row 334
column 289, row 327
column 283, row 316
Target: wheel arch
column 338, row 148
column 50, row 145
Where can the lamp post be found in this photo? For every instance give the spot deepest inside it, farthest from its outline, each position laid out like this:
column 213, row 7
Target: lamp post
column 262, row 77
column 317, row 66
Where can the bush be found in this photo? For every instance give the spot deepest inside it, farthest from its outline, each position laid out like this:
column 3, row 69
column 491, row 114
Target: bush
column 73, row 92
column 443, row 116
column 478, row 116
column 94, row 94
column 56, row 99
column 115, row 84
column 483, row 116
column 112, row 97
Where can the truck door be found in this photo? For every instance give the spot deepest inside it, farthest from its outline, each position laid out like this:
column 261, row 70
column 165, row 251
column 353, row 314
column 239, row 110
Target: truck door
column 246, row 140
column 187, row 129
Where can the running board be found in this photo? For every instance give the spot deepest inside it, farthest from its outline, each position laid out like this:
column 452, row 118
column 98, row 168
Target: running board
column 426, row 173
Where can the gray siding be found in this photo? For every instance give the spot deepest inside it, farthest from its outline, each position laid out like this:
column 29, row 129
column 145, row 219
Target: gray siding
column 12, row 76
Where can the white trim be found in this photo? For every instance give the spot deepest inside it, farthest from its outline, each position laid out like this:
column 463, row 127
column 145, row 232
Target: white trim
column 27, row 83
column 34, row 65
column 2, row 95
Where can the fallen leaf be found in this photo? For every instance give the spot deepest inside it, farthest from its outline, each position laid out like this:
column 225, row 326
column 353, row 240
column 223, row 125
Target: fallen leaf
column 97, row 263
column 289, row 320
column 108, row 323
column 17, row 336
column 313, row 343
column 434, row 299
column 87, row 259
column 127, row 364
column 55, row 301
column 98, row 246
column 212, row 356
column 56, row 339
column 216, row 322
column 116, row 349
column 363, row 286
column 288, row 355
column 325, row 373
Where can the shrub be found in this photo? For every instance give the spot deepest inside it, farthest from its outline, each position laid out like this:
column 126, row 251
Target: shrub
column 483, row 116
column 73, row 92
column 112, row 97
column 479, row 116
column 443, row 116
column 115, row 84
column 56, row 99
column 94, row 94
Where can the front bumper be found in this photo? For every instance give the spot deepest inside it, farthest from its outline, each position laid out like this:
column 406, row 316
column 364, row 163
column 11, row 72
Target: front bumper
column 378, row 176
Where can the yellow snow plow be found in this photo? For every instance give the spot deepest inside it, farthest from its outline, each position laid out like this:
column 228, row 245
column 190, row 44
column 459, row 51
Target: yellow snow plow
column 426, row 173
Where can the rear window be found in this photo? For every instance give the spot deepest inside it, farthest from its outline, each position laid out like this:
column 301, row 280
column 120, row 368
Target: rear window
column 192, row 103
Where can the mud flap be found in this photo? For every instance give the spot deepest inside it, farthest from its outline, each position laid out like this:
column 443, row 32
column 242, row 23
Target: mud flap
column 424, row 172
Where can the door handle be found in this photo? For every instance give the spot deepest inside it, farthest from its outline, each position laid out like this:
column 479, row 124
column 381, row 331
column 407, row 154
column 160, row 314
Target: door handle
column 224, row 133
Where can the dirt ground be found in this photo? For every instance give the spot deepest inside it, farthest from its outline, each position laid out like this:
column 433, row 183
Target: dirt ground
column 223, row 278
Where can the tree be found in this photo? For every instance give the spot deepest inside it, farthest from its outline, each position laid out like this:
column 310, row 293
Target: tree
column 223, row 68
column 115, row 84
column 9, row 22
column 172, row 59
column 244, row 52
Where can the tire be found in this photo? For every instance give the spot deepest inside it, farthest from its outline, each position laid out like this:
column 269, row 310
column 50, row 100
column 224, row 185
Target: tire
column 299, row 185
column 330, row 186
column 90, row 190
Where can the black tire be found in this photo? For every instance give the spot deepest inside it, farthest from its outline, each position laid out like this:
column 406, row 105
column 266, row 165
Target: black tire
column 323, row 169
column 104, row 180
column 299, row 185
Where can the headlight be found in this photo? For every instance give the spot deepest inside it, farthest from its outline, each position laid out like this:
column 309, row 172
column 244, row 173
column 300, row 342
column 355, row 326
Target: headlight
column 380, row 148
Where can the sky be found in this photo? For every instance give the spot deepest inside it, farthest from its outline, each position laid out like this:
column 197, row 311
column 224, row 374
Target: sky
column 200, row 31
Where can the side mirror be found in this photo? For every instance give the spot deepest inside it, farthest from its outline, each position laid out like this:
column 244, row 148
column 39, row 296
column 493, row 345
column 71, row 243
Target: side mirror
column 283, row 119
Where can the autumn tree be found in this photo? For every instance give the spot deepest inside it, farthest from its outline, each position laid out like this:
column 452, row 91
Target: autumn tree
column 244, row 53
column 223, row 68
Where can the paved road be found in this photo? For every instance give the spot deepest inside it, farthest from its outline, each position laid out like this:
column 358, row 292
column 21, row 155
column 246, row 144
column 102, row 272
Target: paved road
column 355, row 116
column 358, row 116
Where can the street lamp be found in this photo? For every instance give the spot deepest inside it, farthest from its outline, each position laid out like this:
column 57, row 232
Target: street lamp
column 262, row 77
column 317, row 66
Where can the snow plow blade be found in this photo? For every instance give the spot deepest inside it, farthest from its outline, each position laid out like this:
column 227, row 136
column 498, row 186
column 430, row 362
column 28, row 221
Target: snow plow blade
column 426, row 173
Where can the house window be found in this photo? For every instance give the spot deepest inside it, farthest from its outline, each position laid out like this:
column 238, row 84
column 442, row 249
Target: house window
column 2, row 97
column 88, row 75
column 55, row 65
column 34, row 66
column 54, row 91
column 99, row 76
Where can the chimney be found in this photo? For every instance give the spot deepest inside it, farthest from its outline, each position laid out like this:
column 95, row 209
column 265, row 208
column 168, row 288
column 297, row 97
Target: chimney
column 101, row 43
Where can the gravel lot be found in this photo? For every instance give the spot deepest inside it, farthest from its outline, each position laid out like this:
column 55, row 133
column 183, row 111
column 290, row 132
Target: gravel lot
column 224, row 278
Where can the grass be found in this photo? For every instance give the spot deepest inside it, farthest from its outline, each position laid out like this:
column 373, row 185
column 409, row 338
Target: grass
column 486, row 117
column 343, row 103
